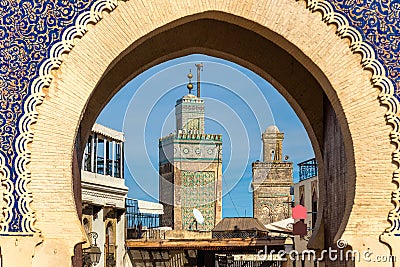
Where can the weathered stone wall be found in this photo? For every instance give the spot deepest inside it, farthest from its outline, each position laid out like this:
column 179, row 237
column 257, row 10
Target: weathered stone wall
column 166, row 193
column 271, row 191
column 76, row 172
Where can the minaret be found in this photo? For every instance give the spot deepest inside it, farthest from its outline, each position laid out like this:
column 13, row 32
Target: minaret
column 272, row 179
column 272, row 144
column 190, row 167
column 189, row 111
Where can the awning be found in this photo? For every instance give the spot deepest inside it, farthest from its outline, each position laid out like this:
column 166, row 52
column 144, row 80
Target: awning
column 150, row 207
column 281, row 226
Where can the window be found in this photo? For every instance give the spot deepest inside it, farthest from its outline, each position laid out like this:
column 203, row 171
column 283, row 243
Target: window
column 193, row 125
column 109, row 245
column 302, row 200
column 109, row 157
column 314, row 208
column 87, row 165
column 100, row 156
column 117, row 162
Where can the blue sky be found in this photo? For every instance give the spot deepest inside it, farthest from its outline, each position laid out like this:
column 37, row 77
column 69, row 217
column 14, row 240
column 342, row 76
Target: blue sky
column 239, row 104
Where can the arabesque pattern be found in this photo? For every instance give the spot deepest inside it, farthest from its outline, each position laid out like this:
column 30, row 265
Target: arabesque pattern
column 378, row 22
column 33, row 35
column 379, row 55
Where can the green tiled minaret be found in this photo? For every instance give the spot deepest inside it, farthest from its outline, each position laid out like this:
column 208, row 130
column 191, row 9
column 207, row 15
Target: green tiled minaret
column 190, row 167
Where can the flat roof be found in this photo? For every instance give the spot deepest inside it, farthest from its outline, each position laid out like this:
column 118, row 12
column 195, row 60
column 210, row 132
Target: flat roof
column 108, row 132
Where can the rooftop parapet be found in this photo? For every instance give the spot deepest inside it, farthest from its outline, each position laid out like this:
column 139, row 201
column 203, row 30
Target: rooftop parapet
column 260, row 164
column 108, row 132
column 192, row 136
column 189, row 99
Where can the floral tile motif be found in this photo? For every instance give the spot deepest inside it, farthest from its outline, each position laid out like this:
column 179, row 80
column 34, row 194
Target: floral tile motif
column 198, row 191
column 379, row 23
column 28, row 31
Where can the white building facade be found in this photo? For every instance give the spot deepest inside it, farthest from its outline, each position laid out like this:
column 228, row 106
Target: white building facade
column 103, row 195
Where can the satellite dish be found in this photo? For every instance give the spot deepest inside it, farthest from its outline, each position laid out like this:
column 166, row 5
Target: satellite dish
column 198, row 216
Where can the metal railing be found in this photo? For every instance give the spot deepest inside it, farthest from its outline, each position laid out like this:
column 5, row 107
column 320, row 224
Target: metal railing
column 308, row 169
column 139, row 224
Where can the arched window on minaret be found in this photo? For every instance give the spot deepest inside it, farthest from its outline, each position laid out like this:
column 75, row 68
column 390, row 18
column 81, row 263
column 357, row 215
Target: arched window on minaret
column 272, row 144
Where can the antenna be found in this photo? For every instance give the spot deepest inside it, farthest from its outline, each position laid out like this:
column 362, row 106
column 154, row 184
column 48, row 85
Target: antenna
column 198, row 216
column 199, row 68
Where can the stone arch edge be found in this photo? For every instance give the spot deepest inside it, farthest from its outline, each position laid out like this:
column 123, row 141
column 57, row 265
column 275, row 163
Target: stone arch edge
column 30, row 117
column 386, row 97
column 330, row 16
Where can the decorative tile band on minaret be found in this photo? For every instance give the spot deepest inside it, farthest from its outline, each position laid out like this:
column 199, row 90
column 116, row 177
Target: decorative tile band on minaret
column 190, row 167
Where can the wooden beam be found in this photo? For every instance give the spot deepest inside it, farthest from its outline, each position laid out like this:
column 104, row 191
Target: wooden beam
column 203, row 243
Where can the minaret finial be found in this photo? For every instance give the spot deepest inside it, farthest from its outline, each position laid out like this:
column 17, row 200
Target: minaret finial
column 199, row 67
column 190, row 85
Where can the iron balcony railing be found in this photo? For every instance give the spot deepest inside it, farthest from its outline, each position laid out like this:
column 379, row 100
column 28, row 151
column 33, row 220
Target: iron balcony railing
column 308, row 169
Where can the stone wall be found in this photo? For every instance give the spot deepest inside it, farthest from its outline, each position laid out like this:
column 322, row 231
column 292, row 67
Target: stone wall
column 335, row 183
column 271, row 191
